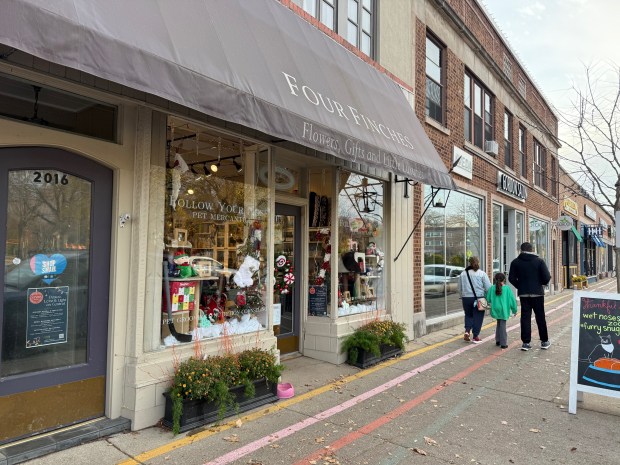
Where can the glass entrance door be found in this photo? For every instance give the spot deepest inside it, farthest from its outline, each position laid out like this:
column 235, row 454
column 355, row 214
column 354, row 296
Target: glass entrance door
column 55, row 221
column 286, row 294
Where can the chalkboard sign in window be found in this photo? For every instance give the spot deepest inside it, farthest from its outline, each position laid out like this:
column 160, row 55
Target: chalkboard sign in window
column 317, row 300
column 595, row 351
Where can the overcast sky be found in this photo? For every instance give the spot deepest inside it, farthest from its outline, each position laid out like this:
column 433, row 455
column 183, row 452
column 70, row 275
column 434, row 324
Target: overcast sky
column 553, row 39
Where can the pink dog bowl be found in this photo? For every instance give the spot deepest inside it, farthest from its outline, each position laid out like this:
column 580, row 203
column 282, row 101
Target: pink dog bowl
column 285, row 391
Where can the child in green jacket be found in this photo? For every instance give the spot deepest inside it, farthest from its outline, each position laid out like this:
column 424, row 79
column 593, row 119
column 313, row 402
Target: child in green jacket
column 502, row 302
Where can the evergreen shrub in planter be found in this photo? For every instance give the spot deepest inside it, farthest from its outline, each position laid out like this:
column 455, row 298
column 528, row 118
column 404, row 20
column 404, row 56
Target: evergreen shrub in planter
column 374, row 342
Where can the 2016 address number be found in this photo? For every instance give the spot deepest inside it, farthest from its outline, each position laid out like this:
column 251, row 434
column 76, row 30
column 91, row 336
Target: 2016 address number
column 50, row 178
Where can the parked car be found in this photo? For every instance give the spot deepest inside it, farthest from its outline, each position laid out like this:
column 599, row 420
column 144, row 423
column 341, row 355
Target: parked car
column 441, row 279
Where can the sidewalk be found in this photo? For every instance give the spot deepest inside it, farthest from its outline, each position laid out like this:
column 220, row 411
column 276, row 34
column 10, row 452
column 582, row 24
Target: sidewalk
column 312, row 378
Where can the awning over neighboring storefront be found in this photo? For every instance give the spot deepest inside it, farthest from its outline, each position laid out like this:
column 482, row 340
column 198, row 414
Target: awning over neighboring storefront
column 598, row 241
column 255, row 63
column 576, row 233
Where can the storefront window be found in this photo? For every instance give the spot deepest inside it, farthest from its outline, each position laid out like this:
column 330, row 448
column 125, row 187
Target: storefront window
column 361, row 244
column 539, row 238
column 451, row 235
column 519, row 232
column 320, row 255
column 214, row 256
column 497, row 238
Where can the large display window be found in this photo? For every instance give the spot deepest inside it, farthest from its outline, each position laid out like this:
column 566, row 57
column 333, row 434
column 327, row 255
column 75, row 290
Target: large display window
column 539, row 238
column 214, row 267
column 453, row 232
column 320, row 203
column 361, row 244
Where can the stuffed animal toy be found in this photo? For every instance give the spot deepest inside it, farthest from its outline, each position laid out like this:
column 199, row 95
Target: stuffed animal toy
column 243, row 277
column 181, row 260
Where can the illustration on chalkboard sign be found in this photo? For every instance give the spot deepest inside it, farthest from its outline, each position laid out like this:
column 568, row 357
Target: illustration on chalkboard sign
column 603, row 369
column 604, row 350
column 604, row 372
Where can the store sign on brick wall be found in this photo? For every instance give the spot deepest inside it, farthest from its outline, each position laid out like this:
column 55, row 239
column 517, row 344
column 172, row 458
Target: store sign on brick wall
column 510, row 186
column 570, row 206
column 465, row 166
column 589, row 212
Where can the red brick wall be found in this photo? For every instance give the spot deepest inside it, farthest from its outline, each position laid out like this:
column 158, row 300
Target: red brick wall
column 482, row 28
column 484, row 167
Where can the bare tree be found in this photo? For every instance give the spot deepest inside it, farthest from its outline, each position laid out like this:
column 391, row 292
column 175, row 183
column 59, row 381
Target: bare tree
column 593, row 136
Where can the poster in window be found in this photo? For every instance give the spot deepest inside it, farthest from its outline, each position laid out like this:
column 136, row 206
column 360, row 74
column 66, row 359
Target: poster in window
column 47, row 310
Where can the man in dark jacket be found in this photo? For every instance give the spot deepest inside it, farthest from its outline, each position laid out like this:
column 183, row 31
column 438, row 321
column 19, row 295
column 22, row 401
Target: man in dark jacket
column 529, row 273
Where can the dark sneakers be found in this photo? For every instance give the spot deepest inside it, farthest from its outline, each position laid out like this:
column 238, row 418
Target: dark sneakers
column 526, row 346
column 545, row 345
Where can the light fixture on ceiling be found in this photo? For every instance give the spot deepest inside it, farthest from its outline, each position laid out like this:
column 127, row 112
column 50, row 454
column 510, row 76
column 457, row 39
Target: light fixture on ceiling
column 191, row 167
column 215, row 166
column 238, row 165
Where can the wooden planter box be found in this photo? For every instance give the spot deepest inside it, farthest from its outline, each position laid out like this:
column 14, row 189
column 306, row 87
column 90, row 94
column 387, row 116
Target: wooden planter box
column 201, row 412
column 367, row 359
column 578, row 285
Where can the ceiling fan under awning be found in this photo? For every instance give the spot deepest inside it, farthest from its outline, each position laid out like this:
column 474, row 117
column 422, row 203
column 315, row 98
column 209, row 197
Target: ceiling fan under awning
column 35, row 111
column 35, row 115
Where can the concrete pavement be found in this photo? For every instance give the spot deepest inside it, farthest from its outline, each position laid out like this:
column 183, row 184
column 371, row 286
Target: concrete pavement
column 455, row 402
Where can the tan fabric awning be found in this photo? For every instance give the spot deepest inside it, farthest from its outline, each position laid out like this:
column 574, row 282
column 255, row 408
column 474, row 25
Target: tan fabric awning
column 254, row 63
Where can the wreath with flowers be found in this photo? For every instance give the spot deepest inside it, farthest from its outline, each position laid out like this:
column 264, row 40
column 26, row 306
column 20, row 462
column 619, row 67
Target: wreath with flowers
column 324, row 237
column 283, row 274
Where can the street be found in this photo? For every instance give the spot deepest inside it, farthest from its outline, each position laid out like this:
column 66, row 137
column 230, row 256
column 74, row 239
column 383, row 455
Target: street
column 443, row 402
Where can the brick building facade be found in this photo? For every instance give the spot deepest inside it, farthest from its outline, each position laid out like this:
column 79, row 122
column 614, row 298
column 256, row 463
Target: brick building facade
column 491, row 114
column 587, row 247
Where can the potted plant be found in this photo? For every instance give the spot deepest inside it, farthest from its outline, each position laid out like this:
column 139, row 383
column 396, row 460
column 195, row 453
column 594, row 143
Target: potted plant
column 208, row 389
column 374, row 342
column 579, row 281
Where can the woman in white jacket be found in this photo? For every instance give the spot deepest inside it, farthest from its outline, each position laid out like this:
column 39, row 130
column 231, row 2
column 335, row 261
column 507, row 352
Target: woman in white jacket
column 481, row 284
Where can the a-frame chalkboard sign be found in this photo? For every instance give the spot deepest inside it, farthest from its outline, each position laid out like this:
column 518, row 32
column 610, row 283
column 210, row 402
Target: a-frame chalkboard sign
column 595, row 351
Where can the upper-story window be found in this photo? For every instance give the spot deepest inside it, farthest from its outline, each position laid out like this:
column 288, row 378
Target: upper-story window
column 508, row 158
column 323, row 10
column 359, row 25
column 523, row 151
column 507, row 67
column 478, row 112
column 352, row 19
column 522, row 86
column 554, row 178
column 540, row 165
column 434, row 79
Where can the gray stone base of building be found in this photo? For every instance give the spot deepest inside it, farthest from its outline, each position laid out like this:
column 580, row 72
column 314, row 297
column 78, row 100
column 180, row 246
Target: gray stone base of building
column 37, row 446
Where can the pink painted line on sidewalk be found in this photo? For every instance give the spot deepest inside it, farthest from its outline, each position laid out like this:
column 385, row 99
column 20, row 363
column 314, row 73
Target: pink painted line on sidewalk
column 403, row 408
column 285, row 432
